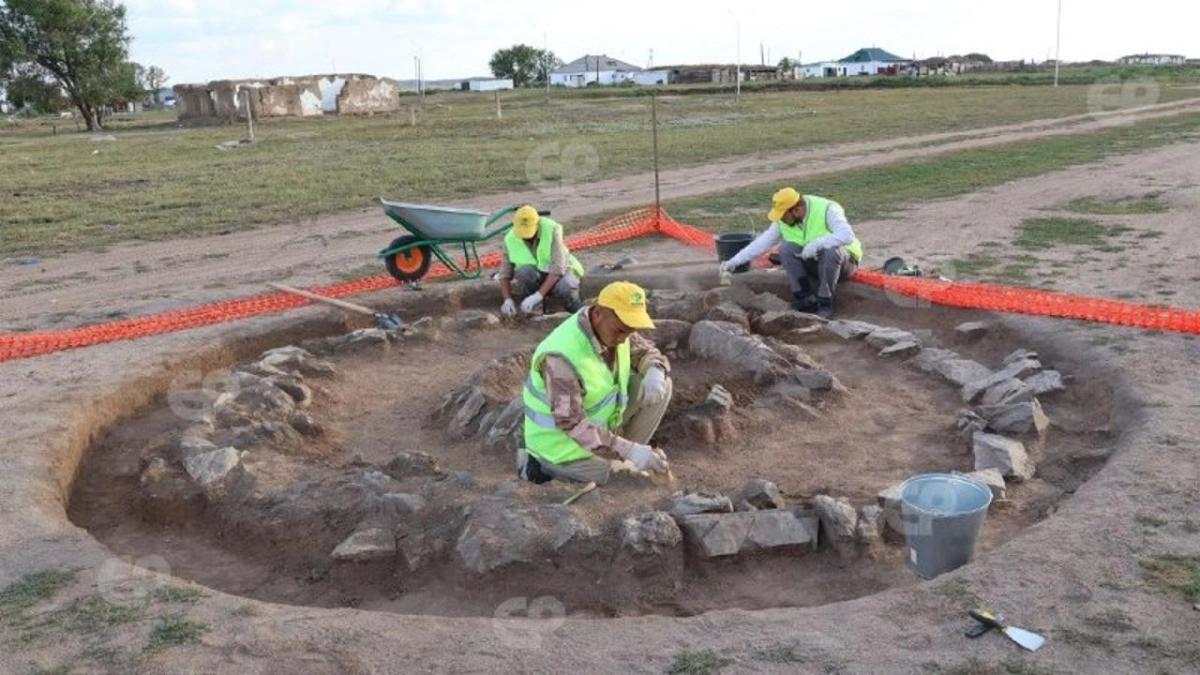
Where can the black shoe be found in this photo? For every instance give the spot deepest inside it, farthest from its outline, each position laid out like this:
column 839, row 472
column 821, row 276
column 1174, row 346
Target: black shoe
column 825, row 308
column 802, row 302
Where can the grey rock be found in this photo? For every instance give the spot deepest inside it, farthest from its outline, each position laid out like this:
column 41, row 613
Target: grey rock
column 1019, row 355
column 777, row 323
column 693, row 503
column 650, row 533
column 951, row 366
column 410, row 464
column 466, row 419
column 401, row 503
column 476, row 318
column 759, row 494
column 1012, row 370
column 967, row 423
column 295, row 359
column 889, row 501
column 195, row 439
column 971, row 330
column 550, row 319
column 677, row 305
column 305, row 424
column 719, row 398
column 498, row 533
column 901, row 349
column 362, row 340
column 886, row 336
column 1011, row 390
column 670, row 334
column 1016, row 418
column 994, row 479
column 716, row 535
column 836, row 516
column 727, row 311
column 367, row 545
column 748, row 299
column 506, row 431
column 850, row 330
column 293, row 386
column 731, row 346
column 1045, row 382
column 869, row 528
column 993, row 451
column 209, row 467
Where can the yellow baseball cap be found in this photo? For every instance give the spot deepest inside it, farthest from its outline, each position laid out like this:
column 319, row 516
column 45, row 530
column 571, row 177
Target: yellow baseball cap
column 629, row 302
column 525, row 222
column 782, row 201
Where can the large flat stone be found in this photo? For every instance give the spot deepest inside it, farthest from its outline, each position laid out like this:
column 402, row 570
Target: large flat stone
column 732, row 346
column 1007, row 455
column 716, row 535
column 1014, row 369
column 1046, row 382
column 837, row 516
column 952, row 367
column 994, row 479
column 777, row 323
column 1016, row 418
column 694, row 503
column 209, row 467
column 850, row 330
column 650, row 533
column 887, row 336
column 499, row 532
column 366, row 546
column 1011, row 390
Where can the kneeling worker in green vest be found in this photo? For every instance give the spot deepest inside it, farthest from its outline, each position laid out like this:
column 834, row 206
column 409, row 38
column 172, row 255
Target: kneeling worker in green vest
column 596, row 391
column 537, row 264
column 818, row 245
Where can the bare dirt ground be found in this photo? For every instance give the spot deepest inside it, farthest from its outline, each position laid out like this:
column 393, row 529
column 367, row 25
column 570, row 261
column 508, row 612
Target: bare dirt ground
column 135, row 279
column 1079, row 577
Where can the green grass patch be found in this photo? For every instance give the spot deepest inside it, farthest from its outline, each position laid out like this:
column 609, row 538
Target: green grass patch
column 705, row 662
column 778, row 654
column 178, row 594
column 157, row 182
column 1149, row 520
column 1078, row 637
column 977, row 666
column 173, row 631
column 1179, row 573
column 1038, row 233
column 957, row 590
column 31, row 589
column 1112, row 618
column 1150, row 203
column 92, row 615
column 884, row 191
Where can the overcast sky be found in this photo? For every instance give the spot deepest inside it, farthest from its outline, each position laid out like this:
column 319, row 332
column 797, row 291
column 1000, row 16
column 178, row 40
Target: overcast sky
column 201, row 40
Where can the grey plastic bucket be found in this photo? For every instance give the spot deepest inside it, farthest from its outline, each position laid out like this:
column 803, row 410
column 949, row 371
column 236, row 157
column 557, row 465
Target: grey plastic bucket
column 943, row 515
column 729, row 244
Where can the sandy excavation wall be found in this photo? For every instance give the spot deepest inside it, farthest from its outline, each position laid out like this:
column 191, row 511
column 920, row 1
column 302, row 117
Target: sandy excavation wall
column 224, row 100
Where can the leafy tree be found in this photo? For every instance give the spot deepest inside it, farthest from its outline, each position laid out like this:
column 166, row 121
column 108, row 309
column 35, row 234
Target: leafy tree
column 976, row 56
column 786, row 63
column 524, row 64
column 156, row 79
column 80, row 44
column 27, row 89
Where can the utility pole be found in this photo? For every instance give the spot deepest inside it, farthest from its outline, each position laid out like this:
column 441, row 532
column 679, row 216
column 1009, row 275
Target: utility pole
column 546, row 58
column 1057, row 43
column 737, row 96
column 249, row 115
column 654, row 124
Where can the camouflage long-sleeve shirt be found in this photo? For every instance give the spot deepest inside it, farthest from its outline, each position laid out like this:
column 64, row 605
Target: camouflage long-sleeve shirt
column 558, row 256
column 565, row 391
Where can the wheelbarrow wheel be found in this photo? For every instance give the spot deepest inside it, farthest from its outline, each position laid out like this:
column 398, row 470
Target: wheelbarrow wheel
column 408, row 265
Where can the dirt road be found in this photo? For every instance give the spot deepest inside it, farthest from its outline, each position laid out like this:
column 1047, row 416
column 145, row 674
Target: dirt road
column 134, row 279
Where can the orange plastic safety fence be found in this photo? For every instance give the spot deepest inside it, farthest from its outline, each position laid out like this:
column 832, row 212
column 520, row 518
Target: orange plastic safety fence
column 995, row 298
column 627, row 226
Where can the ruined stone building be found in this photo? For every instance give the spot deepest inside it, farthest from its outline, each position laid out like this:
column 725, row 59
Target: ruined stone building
column 311, row 95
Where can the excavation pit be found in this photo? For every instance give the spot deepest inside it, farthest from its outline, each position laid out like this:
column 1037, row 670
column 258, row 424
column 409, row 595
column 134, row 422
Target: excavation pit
column 383, row 476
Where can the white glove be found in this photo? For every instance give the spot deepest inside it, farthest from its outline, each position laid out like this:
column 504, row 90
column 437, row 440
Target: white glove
column 654, row 386
column 509, row 309
column 646, row 458
column 810, row 251
column 530, row 303
column 727, row 266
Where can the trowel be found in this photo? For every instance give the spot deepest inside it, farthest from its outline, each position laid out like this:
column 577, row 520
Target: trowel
column 987, row 621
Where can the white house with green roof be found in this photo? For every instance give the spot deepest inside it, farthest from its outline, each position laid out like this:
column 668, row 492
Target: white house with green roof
column 866, row 61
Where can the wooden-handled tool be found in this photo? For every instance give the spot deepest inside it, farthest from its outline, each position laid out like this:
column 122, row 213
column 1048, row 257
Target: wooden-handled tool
column 987, row 621
column 383, row 320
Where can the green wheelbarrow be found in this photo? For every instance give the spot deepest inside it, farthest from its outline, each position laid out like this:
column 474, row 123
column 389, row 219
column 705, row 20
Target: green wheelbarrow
column 431, row 228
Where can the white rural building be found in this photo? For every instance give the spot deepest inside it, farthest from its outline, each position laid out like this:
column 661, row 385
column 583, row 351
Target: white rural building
column 594, row 69
column 487, row 84
column 1152, row 59
column 867, row 61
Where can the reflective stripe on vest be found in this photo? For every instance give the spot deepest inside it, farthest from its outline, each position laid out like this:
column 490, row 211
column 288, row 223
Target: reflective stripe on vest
column 816, row 226
column 604, row 396
column 520, row 255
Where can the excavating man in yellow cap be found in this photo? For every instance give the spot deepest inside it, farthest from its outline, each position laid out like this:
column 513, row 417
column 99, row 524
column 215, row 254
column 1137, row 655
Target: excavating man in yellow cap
column 537, row 264
column 596, row 390
column 818, row 245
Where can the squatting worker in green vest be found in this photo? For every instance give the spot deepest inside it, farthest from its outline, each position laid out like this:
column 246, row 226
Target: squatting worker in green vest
column 596, row 391
column 537, row 264
column 818, row 245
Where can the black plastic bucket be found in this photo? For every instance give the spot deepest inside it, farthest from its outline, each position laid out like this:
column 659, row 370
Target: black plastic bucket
column 729, row 244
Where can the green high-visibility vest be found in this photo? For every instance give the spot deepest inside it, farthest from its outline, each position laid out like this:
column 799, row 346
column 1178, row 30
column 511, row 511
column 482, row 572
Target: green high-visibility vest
column 815, row 227
column 520, row 255
column 605, row 394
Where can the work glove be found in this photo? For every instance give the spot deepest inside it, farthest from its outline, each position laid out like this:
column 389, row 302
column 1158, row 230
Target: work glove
column 646, row 458
column 654, row 386
column 530, row 303
column 509, row 309
column 726, row 266
column 810, row 251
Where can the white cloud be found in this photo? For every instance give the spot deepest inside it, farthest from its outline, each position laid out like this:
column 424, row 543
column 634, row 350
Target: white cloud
column 235, row 38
